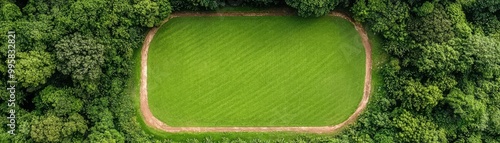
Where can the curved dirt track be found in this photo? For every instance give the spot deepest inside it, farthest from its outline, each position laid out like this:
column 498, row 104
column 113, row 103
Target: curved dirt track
column 152, row 121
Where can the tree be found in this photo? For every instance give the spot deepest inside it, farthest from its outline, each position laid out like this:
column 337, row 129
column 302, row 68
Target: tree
column 88, row 40
column 164, row 8
column 151, row 13
column 388, row 18
column 436, row 60
column 47, row 129
column 419, row 97
column 414, row 128
column 194, row 4
column 314, row 8
column 457, row 16
column 262, row 2
column 55, row 129
column 485, row 14
column 435, row 27
column 80, row 57
column 494, row 126
column 34, row 67
column 59, row 101
column 86, row 15
column 108, row 136
column 9, row 11
column 144, row 10
column 485, row 51
column 104, row 128
column 75, row 127
column 443, row 81
column 471, row 111
column 425, row 9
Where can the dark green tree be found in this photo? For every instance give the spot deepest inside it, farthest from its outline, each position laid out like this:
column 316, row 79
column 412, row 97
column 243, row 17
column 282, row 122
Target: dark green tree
column 314, row 8
column 80, row 57
column 415, row 128
column 55, row 129
column 194, row 4
column 436, row 27
column 151, row 13
column 59, row 101
column 471, row 111
column 9, row 11
column 388, row 18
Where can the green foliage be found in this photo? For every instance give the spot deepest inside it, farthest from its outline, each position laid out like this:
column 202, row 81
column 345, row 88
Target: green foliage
column 494, row 124
column 467, row 107
column 194, row 4
column 9, row 11
column 80, row 57
column 435, row 27
column 484, row 51
column 103, row 130
column 61, row 102
column 457, row 16
column 55, row 129
column 86, row 41
column 263, row 2
column 46, row 129
column 418, row 97
column 86, row 15
column 387, row 17
column 30, row 36
column 485, row 15
column 306, row 8
column 110, row 136
column 313, row 8
column 34, row 68
column 145, row 9
column 490, row 6
column 443, row 82
column 438, row 60
column 415, row 128
column 151, row 13
column 425, row 9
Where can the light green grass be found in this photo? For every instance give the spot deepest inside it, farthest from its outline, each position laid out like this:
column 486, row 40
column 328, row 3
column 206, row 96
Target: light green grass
column 255, row 71
column 134, row 83
column 379, row 58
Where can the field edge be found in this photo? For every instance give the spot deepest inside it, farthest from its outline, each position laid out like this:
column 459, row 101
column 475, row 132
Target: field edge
column 151, row 121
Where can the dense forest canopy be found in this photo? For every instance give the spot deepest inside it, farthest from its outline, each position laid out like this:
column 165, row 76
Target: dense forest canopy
column 73, row 60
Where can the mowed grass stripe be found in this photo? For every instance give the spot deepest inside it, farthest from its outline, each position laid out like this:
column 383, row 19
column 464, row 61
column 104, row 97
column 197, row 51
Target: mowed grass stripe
column 233, row 56
column 255, row 71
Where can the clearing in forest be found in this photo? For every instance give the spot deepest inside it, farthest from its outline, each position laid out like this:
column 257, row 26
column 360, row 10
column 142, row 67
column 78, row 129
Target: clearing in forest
column 255, row 71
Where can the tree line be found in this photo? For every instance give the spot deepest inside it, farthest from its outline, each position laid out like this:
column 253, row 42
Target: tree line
column 73, row 64
column 442, row 82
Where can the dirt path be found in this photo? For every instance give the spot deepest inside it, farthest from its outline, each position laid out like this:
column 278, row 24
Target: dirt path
column 155, row 123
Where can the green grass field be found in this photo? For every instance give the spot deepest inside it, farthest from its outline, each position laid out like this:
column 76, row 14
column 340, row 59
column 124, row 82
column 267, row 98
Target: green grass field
column 255, row 71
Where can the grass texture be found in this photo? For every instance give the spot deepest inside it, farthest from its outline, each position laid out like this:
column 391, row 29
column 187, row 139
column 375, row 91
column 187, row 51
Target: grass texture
column 255, row 71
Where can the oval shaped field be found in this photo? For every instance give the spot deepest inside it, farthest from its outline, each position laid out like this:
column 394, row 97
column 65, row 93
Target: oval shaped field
column 255, row 71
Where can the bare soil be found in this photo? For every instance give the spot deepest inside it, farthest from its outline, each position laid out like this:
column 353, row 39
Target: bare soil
column 152, row 121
